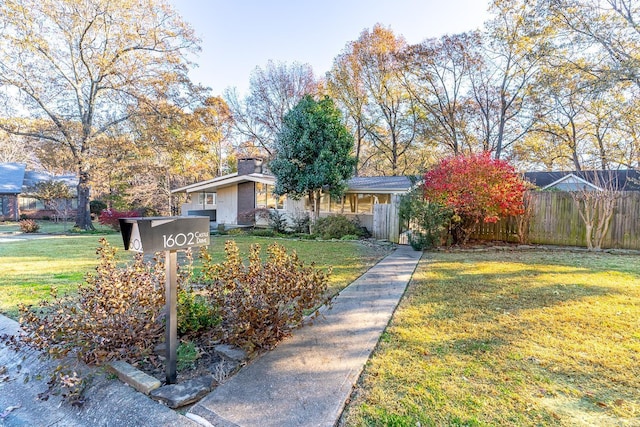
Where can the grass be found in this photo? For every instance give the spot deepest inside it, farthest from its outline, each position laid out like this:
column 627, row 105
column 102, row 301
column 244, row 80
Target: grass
column 524, row 339
column 30, row 268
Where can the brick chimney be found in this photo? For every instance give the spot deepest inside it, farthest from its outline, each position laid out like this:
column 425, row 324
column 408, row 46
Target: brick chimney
column 249, row 165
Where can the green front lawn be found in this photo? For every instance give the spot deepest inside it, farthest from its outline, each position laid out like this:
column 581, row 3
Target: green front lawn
column 30, row 268
column 517, row 339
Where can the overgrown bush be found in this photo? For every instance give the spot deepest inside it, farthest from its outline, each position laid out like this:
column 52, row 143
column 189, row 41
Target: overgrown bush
column 29, row 226
column 336, row 226
column 117, row 313
column 111, row 217
column 260, row 303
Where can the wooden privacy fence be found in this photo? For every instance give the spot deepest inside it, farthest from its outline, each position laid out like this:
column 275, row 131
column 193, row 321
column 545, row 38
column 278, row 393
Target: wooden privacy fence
column 386, row 222
column 555, row 220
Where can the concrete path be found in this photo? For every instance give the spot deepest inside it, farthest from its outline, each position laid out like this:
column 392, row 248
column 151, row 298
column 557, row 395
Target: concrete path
column 307, row 379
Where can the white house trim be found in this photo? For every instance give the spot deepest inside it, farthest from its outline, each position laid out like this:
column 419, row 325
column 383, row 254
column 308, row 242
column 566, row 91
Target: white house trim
column 572, row 179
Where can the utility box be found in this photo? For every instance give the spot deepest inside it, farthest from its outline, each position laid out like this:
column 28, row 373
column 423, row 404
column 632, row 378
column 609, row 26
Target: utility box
column 156, row 234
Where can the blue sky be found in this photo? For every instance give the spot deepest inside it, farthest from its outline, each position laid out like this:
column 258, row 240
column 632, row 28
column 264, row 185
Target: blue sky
column 238, row 35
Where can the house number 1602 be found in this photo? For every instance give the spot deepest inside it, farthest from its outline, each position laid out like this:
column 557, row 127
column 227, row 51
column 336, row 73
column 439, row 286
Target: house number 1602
column 180, row 239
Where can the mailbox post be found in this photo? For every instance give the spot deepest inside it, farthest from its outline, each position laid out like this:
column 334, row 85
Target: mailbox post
column 168, row 234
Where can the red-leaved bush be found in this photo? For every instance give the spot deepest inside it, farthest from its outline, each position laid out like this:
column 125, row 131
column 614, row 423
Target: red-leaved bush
column 476, row 188
column 111, row 217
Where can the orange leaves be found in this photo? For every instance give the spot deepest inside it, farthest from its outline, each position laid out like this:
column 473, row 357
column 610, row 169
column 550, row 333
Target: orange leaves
column 260, row 303
column 477, row 188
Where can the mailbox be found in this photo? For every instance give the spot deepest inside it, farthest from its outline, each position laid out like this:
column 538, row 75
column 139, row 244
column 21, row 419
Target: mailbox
column 168, row 234
column 155, row 234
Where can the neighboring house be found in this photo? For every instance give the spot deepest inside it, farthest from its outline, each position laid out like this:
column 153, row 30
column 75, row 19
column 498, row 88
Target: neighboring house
column 620, row 180
column 234, row 199
column 15, row 202
column 11, row 179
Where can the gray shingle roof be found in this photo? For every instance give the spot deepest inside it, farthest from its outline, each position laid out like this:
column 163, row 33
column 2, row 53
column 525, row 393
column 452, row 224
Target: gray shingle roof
column 11, row 177
column 381, row 183
column 628, row 180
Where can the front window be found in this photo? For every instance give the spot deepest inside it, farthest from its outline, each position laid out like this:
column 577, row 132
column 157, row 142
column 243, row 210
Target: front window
column 265, row 198
column 206, row 199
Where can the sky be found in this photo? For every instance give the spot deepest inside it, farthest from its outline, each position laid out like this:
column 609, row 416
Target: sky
column 240, row 35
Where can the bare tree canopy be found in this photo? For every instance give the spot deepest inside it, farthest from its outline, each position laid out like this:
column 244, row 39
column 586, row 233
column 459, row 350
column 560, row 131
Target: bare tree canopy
column 273, row 92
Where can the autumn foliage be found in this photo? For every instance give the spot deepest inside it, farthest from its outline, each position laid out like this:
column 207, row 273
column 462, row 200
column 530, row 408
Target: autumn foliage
column 476, row 188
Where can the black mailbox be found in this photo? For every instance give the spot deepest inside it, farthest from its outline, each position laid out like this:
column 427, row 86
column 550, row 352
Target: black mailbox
column 168, row 234
column 155, row 234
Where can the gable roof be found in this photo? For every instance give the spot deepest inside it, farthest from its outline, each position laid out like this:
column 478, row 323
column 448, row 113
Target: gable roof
column 623, row 180
column 225, row 181
column 11, row 177
column 569, row 180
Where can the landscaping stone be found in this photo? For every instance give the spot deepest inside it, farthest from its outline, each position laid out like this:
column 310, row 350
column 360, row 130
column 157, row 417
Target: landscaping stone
column 231, row 353
column 178, row 395
column 137, row 379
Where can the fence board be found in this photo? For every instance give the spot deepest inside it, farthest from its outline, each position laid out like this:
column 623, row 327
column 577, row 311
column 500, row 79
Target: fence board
column 555, row 221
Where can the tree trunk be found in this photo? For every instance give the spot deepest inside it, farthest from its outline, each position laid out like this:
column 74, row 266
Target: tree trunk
column 83, row 215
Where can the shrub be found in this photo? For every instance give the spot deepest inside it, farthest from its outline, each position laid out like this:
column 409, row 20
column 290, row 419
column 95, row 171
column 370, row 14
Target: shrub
column 300, row 222
column 336, row 226
column 111, row 217
column 96, row 207
column 117, row 313
column 278, row 221
column 428, row 221
column 476, row 188
column 195, row 312
column 29, row 226
column 260, row 303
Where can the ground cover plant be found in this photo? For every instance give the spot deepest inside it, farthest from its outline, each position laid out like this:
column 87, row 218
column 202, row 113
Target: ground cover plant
column 521, row 338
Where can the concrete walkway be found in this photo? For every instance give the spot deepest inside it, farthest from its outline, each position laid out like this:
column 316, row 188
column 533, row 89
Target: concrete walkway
column 307, row 379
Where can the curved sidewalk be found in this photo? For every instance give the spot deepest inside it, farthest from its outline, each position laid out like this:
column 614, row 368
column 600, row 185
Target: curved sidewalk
column 308, row 378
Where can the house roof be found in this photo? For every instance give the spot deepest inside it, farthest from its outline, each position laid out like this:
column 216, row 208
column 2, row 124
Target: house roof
column 623, row 180
column 379, row 184
column 11, row 177
column 225, row 181
column 360, row 184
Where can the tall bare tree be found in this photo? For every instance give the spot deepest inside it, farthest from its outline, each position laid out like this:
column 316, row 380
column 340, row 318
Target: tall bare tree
column 516, row 42
column 391, row 113
column 345, row 84
column 438, row 78
column 82, row 67
column 273, row 92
